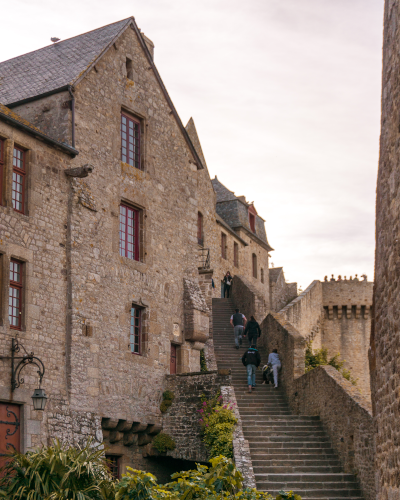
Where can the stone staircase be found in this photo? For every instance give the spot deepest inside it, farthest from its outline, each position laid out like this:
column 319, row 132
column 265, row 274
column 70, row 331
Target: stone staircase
column 289, row 452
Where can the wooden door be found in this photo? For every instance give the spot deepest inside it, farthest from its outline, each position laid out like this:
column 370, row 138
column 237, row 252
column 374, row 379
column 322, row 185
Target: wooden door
column 10, row 430
column 172, row 368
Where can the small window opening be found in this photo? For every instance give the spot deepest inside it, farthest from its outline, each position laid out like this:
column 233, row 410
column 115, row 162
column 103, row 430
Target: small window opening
column 252, row 220
column 136, row 329
column 262, row 275
column 200, row 239
column 113, row 464
column 254, row 262
column 129, row 68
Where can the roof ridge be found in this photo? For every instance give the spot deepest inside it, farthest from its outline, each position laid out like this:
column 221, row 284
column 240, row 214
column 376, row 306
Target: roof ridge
column 64, row 40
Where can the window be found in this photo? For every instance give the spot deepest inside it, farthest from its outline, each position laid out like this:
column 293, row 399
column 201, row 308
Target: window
column 113, row 462
column 172, row 364
column 236, row 254
column 15, row 295
column 136, row 329
column 129, row 68
column 129, row 225
column 252, row 221
column 223, row 245
column 254, row 262
column 1, row 169
column 18, row 180
column 130, row 141
column 200, row 229
column 262, row 275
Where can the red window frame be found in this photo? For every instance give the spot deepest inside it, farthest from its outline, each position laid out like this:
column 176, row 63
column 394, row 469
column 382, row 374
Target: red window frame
column 129, row 232
column 235, row 254
column 113, row 464
column 135, row 339
column 15, row 294
column 1, row 169
column 223, row 245
column 252, row 222
column 130, row 141
column 200, row 228
column 18, row 179
column 254, row 264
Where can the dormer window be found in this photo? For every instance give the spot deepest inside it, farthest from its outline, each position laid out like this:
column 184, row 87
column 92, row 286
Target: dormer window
column 252, row 221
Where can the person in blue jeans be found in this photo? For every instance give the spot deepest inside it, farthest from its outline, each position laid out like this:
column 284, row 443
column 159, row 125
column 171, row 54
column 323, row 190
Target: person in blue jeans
column 251, row 360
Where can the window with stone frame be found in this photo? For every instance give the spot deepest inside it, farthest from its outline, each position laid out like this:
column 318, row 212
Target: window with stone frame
column 129, row 232
column 130, row 140
column 254, row 265
column 113, row 464
column 1, row 169
column 223, row 245
column 235, row 254
column 200, row 239
column 136, row 331
column 15, row 294
column 262, row 275
column 18, row 180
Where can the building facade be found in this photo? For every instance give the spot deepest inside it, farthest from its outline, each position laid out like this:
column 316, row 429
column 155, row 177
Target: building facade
column 107, row 208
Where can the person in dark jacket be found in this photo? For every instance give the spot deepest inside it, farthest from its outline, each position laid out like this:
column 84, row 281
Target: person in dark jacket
column 253, row 330
column 251, row 360
column 227, row 283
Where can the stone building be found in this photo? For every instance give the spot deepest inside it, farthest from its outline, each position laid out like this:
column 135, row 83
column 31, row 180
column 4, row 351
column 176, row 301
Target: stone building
column 385, row 337
column 111, row 234
column 101, row 240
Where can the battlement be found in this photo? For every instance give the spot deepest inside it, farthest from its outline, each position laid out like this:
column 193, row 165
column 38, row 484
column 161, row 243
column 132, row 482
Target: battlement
column 347, row 293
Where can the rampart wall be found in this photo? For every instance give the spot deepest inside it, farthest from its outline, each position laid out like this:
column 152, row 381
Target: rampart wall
column 344, row 412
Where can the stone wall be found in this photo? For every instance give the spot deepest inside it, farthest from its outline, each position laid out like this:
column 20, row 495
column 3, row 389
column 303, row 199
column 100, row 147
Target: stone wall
column 181, row 419
column 346, row 416
column 385, row 337
column 248, row 299
column 344, row 412
column 305, row 312
column 280, row 292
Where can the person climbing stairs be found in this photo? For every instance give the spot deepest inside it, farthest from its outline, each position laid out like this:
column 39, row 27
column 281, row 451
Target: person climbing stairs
column 288, row 452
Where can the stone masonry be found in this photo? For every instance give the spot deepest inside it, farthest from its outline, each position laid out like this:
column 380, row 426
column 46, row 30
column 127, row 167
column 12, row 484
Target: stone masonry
column 385, row 337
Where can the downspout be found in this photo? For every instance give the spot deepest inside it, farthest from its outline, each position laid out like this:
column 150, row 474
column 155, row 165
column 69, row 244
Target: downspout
column 73, row 114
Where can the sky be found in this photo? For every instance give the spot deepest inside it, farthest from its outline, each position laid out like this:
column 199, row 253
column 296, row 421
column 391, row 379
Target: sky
column 285, row 95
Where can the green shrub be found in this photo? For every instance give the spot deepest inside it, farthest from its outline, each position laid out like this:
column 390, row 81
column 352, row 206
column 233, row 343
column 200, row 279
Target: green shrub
column 203, row 362
column 168, row 397
column 163, row 442
column 217, row 423
column 288, row 495
column 319, row 357
column 139, row 485
column 57, row 472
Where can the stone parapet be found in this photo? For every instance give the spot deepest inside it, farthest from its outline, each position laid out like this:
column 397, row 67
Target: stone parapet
column 305, row 312
column 181, row 420
column 249, row 300
column 241, row 448
column 344, row 412
column 346, row 416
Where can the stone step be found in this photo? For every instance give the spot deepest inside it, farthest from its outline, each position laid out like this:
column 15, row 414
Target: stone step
column 287, row 469
column 315, row 494
column 320, row 440
column 268, row 446
column 267, row 432
column 297, row 461
column 307, row 453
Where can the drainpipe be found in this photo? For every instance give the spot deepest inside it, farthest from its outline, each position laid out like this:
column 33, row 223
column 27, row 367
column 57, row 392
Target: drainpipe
column 73, row 114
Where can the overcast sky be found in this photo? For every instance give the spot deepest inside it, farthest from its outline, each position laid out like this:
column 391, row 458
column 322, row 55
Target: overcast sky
column 285, row 95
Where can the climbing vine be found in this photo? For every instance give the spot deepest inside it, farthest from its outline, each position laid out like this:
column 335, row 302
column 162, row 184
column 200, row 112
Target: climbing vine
column 217, row 421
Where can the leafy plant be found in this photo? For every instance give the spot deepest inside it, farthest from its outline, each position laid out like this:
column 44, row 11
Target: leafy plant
column 288, row 495
column 217, row 423
column 168, row 397
column 139, row 485
column 319, row 357
column 57, row 472
column 203, row 362
column 163, row 442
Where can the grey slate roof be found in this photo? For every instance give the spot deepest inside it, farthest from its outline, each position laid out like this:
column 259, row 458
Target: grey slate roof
column 223, row 193
column 55, row 66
